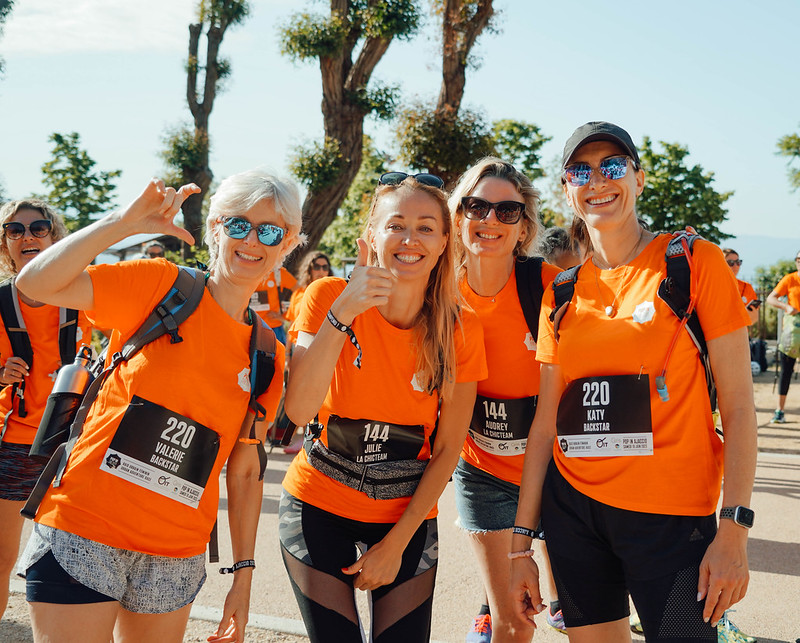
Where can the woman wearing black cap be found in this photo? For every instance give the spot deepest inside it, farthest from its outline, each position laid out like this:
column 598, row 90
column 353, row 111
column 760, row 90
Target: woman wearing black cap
column 628, row 501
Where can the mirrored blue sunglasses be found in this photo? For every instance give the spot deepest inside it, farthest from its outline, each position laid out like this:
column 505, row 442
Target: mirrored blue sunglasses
column 238, row 228
column 613, row 168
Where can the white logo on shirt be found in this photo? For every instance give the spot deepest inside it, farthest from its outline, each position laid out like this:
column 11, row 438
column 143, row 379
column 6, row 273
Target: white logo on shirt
column 529, row 342
column 244, row 380
column 415, row 384
column 79, row 334
column 53, row 375
column 644, row 312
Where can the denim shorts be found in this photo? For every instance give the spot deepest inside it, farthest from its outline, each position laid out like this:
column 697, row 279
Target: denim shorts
column 142, row 583
column 484, row 502
column 18, row 471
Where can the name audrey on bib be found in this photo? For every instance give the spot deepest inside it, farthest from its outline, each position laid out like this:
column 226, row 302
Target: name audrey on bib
column 606, row 417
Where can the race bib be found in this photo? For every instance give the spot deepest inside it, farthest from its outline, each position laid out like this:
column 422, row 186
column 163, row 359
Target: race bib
column 162, row 451
column 500, row 427
column 606, row 416
column 370, row 442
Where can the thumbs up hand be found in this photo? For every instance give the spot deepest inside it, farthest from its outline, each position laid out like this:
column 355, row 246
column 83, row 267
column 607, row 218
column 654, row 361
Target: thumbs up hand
column 368, row 286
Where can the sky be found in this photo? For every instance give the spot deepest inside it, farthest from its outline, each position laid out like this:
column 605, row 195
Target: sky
column 718, row 76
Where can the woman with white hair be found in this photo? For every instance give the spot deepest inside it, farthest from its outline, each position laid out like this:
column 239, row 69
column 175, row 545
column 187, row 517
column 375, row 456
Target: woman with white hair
column 109, row 552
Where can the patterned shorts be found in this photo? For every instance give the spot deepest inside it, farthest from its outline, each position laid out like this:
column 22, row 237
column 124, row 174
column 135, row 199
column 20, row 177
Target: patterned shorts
column 18, row 471
column 142, row 583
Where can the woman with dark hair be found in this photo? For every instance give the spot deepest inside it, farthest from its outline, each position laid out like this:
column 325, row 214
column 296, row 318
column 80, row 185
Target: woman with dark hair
column 495, row 212
column 29, row 227
column 387, row 362
column 315, row 266
column 119, row 545
column 623, row 465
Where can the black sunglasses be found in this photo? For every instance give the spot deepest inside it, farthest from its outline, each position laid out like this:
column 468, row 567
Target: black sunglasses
column 238, row 228
column 320, row 266
column 733, row 262
column 396, row 178
column 478, row 209
column 16, row 230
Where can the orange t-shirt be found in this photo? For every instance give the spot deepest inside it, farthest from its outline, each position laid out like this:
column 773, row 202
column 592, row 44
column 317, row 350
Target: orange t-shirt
column 384, row 389
column 294, row 303
column 789, row 286
column 265, row 298
column 511, row 358
column 683, row 475
column 42, row 323
column 746, row 291
column 203, row 378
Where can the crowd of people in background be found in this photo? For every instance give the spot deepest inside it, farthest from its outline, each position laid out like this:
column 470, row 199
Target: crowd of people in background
column 545, row 370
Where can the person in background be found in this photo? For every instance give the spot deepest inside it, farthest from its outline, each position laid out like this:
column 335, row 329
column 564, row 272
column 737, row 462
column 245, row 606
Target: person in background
column 29, row 227
column 388, row 362
column 153, row 250
column 623, row 405
column 559, row 249
column 316, row 265
column 789, row 287
column 746, row 291
column 111, row 550
column 271, row 300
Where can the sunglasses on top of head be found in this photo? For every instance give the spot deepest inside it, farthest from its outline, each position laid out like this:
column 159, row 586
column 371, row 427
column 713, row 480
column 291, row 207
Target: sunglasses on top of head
column 16, row 230
column 478, row 209
column 267, row 233
column 396, row 178
column 613, row 168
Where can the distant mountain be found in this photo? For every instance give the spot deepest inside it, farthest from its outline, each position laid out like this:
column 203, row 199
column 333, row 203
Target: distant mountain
column 758, row 251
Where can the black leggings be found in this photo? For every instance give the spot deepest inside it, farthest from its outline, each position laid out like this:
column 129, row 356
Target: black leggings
column 316, row 545
column 787, row 366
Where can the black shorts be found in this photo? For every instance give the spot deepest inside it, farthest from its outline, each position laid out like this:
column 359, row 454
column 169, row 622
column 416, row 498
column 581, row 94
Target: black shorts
column 47, row 582
column 599, row 553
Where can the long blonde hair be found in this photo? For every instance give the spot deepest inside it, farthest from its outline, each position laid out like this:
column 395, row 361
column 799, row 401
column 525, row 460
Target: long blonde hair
column 435, row 324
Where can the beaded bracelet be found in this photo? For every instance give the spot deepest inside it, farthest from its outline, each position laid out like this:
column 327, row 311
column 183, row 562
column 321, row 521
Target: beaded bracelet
column 237, row 566
column 520, row 554
column 348, row 330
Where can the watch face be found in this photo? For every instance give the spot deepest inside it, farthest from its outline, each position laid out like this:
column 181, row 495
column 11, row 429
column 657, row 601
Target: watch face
column 745, row 516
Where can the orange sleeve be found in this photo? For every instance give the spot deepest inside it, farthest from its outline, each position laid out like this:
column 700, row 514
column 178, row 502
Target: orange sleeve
column 315, row 304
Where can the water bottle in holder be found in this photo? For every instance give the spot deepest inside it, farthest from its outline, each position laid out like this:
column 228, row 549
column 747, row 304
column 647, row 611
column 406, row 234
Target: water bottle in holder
column 62, row 404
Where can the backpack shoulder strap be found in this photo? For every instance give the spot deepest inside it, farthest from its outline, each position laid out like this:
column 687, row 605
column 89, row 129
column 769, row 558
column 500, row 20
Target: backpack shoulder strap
column 67, row 334
column 530, row 290
column 563, row 290
column 181, row 300
column 14, row 322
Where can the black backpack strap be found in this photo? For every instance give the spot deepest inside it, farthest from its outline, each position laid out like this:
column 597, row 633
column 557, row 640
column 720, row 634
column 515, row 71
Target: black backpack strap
column 563, row 290
column 676, row 291
column 262, row 370
column 530, row 290
column 67, row 334
column 180, row 301
column 20, row 344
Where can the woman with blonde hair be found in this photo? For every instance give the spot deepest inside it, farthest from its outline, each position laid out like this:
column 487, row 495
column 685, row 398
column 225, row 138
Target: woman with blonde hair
column 387, row 364
column 495, row 212
column 29, row 227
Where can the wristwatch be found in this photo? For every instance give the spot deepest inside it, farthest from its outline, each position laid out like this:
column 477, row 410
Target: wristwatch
column 743, row 516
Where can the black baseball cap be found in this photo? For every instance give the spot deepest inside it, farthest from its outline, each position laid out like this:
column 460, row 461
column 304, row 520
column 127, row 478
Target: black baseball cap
column 599, row 131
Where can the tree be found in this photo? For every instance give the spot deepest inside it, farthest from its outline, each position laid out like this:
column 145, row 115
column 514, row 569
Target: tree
column 78, row 191
column 443, row 138
column 5, row 10
column 554, row 210
column 339, row 240
column 676, row 196
column 187, row 146
column 789, row 145
column 360, row 28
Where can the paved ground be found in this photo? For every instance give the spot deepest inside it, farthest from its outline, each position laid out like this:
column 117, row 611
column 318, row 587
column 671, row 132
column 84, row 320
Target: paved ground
column 771, row 610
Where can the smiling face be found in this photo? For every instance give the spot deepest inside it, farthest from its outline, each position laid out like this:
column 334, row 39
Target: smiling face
column 490, row 237
column 248, row 259
column 407, row 232
column 27, row 247
column 604, row 202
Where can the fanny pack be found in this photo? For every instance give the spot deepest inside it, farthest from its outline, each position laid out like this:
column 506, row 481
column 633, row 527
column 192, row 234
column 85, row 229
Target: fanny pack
column 381, row 481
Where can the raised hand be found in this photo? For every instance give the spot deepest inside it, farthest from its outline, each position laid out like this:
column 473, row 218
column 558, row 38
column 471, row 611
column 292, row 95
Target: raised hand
column 368, row 286
column 155, row 208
